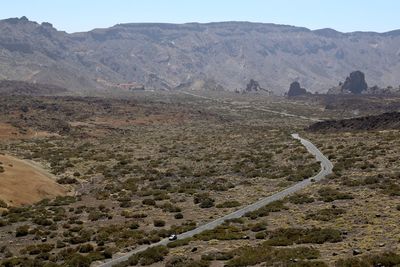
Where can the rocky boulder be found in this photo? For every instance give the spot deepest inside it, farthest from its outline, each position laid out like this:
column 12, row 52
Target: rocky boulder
column 296, row 90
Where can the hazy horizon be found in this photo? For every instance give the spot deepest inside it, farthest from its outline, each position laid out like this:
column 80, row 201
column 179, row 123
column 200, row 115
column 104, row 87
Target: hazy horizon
column 75, row 16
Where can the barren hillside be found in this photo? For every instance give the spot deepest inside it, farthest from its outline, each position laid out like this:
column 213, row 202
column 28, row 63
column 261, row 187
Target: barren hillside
column 164, row 56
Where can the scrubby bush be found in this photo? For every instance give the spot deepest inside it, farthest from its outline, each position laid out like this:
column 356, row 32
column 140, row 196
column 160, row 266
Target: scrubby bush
column 159, row 195
column 108, row 252
column 139, row 215
column 130, row 184
column 300, row 199
column 197, row 198
column 217, row 255
column 325, row 214
column 78, row 260
column 387, row 259
column 22, row 230
column 264, row 211
column 290, row 236
column 261, row 226
column 63, row 200
column 179, row 243
column 169, row 207
column 86, row 248
column 370, row 180
column 206, row 203
column 149, row 256
column 181, row 261
column 391, row 189
column 159, row 223
column 37, row 249
column 178, row 216
column 249, row 256
column 127, row 213
column 60, row 244
column 221, row 185
column 184, row 227
column 149, row 202
column 67, row 180
column 134, row 225
column 42, row 221
column 3, row 204
column 229, row 204
column 81, row 237
column 304, row 173
column 204, row 200
column 222, row 232
column 235, row 220
column 261, row 235
column 329, row 194
column 125, row 202
column 95, row 215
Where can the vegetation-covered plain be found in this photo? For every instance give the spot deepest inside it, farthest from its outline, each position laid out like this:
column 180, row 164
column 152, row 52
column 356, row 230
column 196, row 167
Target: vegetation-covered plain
column 154, row 164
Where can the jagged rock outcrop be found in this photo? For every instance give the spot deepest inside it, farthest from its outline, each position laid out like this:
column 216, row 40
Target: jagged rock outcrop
column 355, row 83
column 296, row 90
column 254, row 86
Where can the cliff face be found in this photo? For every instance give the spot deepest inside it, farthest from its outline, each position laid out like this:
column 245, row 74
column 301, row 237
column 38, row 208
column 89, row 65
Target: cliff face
column 164, row 56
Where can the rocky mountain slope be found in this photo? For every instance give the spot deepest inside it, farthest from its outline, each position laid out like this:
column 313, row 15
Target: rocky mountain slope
column 165, row 56
column 28, row 88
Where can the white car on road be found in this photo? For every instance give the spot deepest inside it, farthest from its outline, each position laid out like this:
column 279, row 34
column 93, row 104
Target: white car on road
column 173, row 237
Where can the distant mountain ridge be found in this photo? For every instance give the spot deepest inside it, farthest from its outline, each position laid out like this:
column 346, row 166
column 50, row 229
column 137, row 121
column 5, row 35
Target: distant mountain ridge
column 166, row 56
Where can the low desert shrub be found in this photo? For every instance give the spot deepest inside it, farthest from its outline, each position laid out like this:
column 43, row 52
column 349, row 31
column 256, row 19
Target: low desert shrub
column 290, row 236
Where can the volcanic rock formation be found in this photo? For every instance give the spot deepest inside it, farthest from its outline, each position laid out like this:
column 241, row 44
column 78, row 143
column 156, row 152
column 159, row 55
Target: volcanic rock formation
column 355, row 83
column 296, row 90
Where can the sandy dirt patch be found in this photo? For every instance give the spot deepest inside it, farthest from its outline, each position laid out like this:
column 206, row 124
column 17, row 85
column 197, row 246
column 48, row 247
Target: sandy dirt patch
column 23, row 182
column 8, row 132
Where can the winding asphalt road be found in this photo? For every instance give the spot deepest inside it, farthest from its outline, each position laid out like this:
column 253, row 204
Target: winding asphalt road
column 326, row 169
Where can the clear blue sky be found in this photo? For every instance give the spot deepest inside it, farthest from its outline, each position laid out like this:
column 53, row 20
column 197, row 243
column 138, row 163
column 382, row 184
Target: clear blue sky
column 83, row 15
